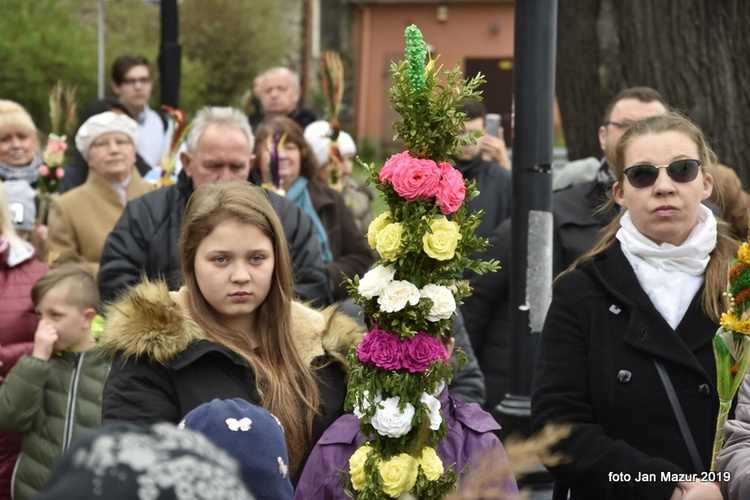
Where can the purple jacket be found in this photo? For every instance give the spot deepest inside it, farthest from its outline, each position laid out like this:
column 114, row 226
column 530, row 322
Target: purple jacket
column 470, row 434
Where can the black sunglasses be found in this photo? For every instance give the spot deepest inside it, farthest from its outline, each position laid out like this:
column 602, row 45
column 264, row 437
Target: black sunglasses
column 641, row 176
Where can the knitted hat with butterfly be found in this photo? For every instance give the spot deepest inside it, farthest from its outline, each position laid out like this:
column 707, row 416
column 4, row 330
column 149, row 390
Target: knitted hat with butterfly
column 253, row 436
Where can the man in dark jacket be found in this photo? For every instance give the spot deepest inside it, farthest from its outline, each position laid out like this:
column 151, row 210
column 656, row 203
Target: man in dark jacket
column 145, row 241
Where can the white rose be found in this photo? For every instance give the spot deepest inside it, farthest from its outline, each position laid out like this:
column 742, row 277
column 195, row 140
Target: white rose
column 359, row 411
column 396, row 295
column 433, row 410
column 390, row 421
column 373, row 282
column 443, row 302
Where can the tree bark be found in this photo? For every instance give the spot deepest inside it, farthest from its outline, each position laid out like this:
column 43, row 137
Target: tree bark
column 694, row 52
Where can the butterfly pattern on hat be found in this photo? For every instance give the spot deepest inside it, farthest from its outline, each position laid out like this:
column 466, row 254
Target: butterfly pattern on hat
column 242, row 424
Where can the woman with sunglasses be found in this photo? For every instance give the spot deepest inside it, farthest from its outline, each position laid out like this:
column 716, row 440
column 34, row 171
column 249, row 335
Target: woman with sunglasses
column 625, row 354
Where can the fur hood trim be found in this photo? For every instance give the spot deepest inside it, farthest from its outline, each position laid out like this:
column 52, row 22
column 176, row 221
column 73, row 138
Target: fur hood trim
column 342, row 332
column 151, row 321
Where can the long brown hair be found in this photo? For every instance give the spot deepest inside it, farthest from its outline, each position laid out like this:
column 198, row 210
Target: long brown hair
column 278, row 126
column 285, row 384
column 712, row 300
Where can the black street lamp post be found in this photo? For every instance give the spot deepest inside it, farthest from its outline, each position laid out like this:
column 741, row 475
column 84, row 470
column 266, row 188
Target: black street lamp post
column 531, row 224
column 169, row 54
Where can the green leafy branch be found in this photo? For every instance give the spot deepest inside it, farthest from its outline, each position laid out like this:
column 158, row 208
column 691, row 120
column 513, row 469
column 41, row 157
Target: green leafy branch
column 430, row 125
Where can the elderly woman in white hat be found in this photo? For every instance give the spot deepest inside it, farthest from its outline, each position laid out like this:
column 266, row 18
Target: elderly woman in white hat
column 81, row 219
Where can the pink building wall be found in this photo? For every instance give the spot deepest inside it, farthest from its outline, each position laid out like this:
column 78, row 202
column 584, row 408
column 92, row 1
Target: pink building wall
column 471, row 30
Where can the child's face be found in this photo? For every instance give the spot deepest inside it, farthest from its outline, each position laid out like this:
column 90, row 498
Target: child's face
column 71, row 323
column 234, row 269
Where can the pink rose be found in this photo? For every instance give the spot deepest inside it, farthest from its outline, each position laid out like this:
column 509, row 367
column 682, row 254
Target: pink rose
column 56, row 146
column 391, row 163
column 43, row 170
column 60, row 173
column 381, row 349
column 411, row 178
column 421, row 351
column 451, row 189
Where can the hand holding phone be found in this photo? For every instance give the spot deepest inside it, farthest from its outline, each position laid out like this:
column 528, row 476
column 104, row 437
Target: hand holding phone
column 492, row 124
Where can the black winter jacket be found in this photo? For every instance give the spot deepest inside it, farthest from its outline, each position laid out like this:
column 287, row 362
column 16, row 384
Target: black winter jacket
column 577, row 222
column 595, row 369
column 486, row 315
column 494, row 185
column 145, row 241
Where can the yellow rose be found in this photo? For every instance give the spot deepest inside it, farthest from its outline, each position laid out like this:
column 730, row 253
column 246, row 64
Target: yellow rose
column 399, row 474
column 743, row 254
column 388, row 241
column 441, row 243
column 431, row 464
column 357, row 466
column 376, row 226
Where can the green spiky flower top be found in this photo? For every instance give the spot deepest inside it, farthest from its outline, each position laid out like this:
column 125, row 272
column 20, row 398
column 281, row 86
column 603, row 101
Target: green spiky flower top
column 430, row 125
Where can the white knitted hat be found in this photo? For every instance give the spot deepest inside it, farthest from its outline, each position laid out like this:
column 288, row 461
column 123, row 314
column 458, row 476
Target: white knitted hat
column 105, row 123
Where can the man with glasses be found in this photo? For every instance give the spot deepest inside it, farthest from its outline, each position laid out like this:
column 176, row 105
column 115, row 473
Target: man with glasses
column 577, row 210
column 132, row 83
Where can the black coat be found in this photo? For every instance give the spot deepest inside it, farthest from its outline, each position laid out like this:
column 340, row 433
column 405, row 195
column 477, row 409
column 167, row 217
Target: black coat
column 486, row 314
column 595, row 369
column 146, row 238
column 576, row 221
column 494, row 185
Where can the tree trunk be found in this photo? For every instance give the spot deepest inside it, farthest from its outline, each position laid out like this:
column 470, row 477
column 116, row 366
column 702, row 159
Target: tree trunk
column 694, row 52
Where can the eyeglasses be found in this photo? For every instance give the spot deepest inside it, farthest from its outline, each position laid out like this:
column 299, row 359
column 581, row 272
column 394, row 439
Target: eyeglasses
column 623, row 125
column 132, row 81
column 641, row 176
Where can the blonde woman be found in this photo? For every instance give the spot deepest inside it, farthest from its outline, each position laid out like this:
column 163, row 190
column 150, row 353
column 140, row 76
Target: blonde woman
column 626, row 352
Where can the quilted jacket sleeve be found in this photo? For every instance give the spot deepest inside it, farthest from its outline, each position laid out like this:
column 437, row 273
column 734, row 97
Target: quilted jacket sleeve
column 125, row 252
column 21, row 394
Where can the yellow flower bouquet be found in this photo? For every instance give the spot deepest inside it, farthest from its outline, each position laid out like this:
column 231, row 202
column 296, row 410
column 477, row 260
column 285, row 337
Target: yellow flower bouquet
column 732, row 342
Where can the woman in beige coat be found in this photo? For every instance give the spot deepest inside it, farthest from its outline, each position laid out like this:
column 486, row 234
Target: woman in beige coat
column 81, row 219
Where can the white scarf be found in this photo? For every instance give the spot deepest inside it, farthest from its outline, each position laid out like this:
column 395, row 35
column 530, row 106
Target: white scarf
column 670, row 275
column 121, row 188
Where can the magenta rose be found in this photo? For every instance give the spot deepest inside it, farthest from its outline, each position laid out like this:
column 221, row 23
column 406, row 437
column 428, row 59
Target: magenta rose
column 381, row 349
column 411, row 178
column 421, row 351
column 451, row 189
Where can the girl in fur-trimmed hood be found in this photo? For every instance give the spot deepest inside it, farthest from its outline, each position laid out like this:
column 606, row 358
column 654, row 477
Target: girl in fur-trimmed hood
column 232, row 331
